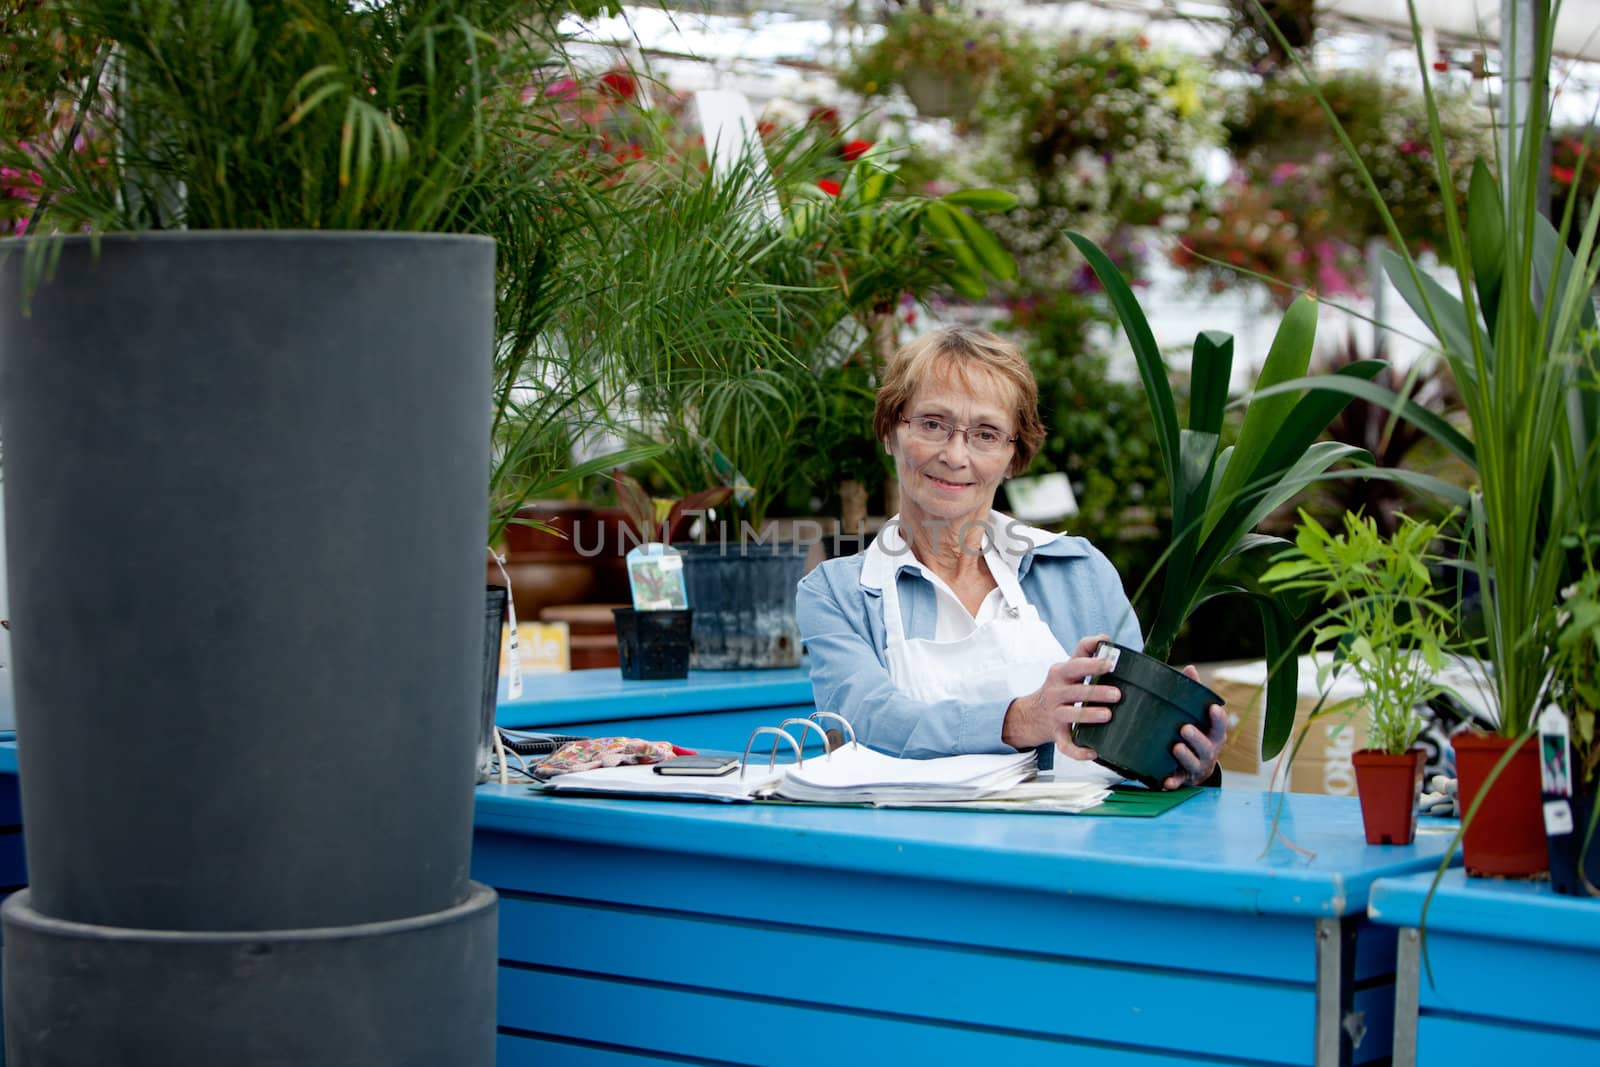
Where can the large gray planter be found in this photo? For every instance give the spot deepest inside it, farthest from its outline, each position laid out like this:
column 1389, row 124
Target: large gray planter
column 245, row 482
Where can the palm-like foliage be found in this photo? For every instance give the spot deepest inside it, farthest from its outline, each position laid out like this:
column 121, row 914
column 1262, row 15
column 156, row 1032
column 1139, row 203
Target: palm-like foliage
column 326, row 114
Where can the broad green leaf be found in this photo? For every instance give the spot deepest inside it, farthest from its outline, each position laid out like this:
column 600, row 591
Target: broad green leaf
column 1440, row 310
column 1152, row 368
column 1427, row 421
column 1209, row 377
column 1252, row 541
column 874, row 183
column 1548, row 249
column 1260, row 501
column 1287, row 359
column 1197, row 454
column 942, row 220
column 981, row 199
column 1283, row 675
column 1486, row 238
column 993, row 257
column 1307, row 420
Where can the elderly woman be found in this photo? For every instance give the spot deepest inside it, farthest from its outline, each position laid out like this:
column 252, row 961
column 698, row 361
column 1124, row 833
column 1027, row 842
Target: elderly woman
column 949, row 634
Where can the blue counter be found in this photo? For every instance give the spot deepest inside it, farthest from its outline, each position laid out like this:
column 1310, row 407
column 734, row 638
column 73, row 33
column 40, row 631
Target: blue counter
column 1510, row 974
column 783, row 934
column 708, row 709
column 774, row 934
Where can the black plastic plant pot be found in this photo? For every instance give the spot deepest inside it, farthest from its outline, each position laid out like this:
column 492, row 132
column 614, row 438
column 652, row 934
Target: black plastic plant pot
column 653, row 645
column 494, row 615
column 1157, row 700
column 743, row 596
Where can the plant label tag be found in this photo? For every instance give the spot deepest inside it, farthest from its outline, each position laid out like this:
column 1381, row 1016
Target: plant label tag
column 1555, row 757
column 513, row 646
column 1557, row 817
column 513, row 649
column 655, row 576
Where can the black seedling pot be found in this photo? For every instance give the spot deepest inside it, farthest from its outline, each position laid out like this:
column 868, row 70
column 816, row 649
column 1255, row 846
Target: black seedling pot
column 653, row 644
column 1156, row 701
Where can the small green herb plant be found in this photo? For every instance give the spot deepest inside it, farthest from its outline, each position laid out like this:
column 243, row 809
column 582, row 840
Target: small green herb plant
column 1381, row 623
column 1575, row 668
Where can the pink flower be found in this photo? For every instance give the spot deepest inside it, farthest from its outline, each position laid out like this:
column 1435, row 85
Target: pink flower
column 565, row 89
column 1283, row 172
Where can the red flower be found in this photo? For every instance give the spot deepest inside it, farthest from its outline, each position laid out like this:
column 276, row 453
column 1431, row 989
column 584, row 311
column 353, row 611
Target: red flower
column 829, row 186
column 854, row 150
column 1564, row 175
column 824, row 116
column 620, row 82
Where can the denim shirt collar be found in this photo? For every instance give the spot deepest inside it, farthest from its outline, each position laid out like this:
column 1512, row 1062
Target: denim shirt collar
column 1018, row 543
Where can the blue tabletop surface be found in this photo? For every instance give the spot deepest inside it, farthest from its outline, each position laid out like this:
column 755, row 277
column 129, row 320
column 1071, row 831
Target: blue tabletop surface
column 1213, row 851
column 583, row 695
column 1518, row 911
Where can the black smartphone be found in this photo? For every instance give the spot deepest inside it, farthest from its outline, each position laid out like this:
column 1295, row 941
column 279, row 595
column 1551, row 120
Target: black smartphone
column 699, row 766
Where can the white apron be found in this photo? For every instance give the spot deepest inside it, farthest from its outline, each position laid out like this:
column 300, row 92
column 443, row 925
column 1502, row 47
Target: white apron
column 1002, row 659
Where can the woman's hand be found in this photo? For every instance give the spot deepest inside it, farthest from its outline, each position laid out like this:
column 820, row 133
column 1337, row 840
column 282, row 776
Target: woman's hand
column 1197, row 752
column 1049, row 712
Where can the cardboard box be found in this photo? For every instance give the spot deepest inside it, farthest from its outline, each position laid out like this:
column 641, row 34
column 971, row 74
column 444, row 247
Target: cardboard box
column 1322, row 764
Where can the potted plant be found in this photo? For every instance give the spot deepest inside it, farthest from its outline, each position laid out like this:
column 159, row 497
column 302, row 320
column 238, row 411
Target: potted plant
column 1575, row 690
column 654, row 637
column 1382, row 625
column 246, row 380
column 1219, row 495
column 1511, row 333
column 941, row 59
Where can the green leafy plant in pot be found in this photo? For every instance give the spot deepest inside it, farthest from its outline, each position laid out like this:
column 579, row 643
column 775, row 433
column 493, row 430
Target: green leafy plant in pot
column 1511, row 330
column 655, row 642
column 1575, row 690
column 249, row 377
column 1219, row 495
column 1382, row 625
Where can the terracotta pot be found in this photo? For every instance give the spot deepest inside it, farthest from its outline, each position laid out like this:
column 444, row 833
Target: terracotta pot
column 538, row 585
column 565, row 517
column 1506, row 838
column 1388, row 786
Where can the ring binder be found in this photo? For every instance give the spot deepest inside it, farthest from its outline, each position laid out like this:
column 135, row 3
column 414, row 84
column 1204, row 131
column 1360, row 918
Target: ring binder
column 806, row 724
column 772, row 759
column 842, row 721
column 853, row 773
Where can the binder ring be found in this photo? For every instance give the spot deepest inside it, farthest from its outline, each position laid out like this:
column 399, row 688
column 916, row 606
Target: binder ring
column 773, row 758
column 807, row 724
column 851, row 730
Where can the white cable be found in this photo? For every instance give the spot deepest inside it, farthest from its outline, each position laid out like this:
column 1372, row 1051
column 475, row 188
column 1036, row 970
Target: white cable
column 500, row 757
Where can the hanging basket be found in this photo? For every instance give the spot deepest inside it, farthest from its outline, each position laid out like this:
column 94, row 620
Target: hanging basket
column 939, row 95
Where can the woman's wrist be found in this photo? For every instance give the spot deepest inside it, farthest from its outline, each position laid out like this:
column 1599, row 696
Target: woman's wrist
column 1018, row 727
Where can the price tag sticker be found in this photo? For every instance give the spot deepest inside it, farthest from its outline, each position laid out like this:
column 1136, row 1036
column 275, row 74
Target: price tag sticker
column 1557, row 817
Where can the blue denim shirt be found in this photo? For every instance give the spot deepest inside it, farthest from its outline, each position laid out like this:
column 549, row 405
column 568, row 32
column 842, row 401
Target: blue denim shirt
column 1074, row 586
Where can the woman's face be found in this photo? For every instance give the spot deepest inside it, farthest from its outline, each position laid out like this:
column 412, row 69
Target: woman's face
column 949, row 480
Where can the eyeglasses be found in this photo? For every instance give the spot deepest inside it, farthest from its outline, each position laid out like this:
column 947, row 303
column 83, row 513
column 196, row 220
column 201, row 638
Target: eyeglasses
column 931, row 431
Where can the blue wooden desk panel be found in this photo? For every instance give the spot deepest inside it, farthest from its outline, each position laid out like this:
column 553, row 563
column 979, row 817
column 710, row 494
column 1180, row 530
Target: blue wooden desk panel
column 603, row 695
column 1514, row 970
column 767, row 933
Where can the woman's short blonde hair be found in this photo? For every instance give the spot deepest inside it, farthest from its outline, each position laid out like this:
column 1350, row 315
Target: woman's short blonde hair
column 957, row 353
